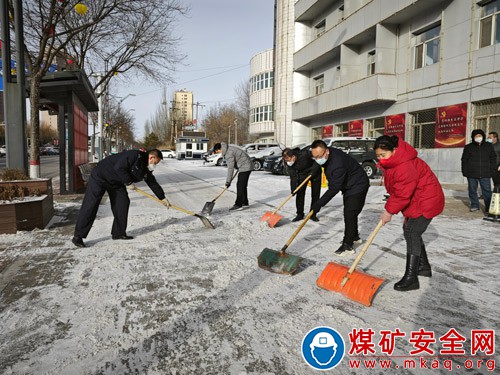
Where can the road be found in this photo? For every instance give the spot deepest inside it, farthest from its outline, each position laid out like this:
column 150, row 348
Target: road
column 49, row 165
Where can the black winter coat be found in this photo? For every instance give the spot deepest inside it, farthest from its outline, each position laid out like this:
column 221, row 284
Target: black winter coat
column 304, row 166
column 479, row 160
column 125, row 168
column 344, row 174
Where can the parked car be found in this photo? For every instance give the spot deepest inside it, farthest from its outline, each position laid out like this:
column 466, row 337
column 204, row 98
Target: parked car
column 3, row 151
column 276, row 165
column 259, row 157
column 360, row 148
column 167, row 153
column 253, row 148
column 215, row 159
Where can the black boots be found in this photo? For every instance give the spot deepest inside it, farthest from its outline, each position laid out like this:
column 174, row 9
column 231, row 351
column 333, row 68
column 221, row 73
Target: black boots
column 410, row 279
column 424, row 268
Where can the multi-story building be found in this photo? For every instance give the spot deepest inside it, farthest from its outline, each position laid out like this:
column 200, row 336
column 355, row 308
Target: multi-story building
column 261, row 122
column 182, row 110
column 425, row 70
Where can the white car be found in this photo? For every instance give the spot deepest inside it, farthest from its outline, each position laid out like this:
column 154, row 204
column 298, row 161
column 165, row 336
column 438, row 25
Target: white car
column 167, row 153
column 3, row 151
column 215, row 159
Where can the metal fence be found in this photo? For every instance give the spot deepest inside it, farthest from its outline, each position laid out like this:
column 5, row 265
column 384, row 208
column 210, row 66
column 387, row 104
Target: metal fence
column 423, row 128
column 486, row 115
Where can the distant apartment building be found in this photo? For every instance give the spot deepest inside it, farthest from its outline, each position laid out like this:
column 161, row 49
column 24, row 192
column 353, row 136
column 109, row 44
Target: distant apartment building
column 425, row 70
column 182, row 110
column 261, row 122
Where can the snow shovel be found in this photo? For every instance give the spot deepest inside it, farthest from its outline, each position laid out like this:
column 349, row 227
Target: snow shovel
column 209, row 206
column 280, row 261
column 205, row 221
column 355, row 285
column 272, row 218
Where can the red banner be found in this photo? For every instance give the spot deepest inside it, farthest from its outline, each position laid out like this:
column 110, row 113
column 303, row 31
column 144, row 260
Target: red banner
column 395, row 125
column 451, row 126
column 327, row 131
column 355, row 128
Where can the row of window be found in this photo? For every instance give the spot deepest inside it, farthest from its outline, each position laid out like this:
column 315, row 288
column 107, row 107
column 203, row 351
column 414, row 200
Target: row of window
column 262, row 81
column 263, row 113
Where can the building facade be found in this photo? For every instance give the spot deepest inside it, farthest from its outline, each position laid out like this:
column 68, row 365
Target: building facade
column 425, row 70
column 261, row 122
column 182, row 111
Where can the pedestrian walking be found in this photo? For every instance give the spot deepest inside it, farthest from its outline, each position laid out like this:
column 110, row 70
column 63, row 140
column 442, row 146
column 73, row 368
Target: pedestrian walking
column 300, row 166
column 114, row 175
column 236, row 158
column 415, row 191
column 344, row 174
column 493, row 139
column 479, row 164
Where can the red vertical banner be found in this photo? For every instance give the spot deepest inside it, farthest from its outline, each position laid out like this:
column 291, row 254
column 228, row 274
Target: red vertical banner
column 395, row 125
column 327, row 131
column 355, row 128
column 451, row 126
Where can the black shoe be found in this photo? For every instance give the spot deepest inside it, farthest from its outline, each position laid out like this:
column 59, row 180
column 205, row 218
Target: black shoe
column 299, row 217
column 236, row 208
column 122, row 237
column 314, row 218
column 410, row 279
column 344, row 249
column 78, row 242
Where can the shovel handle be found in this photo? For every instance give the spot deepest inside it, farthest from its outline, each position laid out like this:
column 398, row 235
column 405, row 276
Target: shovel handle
column 140, row 191
column 297, row 231
column 291, row 195
column 225, row 188
column 365, row 247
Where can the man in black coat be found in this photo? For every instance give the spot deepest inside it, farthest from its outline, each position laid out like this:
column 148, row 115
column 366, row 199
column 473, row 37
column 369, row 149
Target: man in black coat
column 112, row 175
column 300, row 166
column 493, row 139
column 344, row 174
column 479, row 164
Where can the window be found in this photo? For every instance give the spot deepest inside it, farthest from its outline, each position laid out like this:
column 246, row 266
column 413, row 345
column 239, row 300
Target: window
column 487, row 115
column 376, row 127
column 262, row 81
column 489, row 24
column 371, row 63
column 318, row 84
column 319, row 29
column 427, row 48
column 342, row 130
column 264, row 113
column 423, row 129
column 189, row 146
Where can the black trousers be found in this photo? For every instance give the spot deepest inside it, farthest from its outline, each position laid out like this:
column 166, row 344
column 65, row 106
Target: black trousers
column 300, row 197
column 353, row 205
column 241, row 189
column 413, row 230
column 120, row 204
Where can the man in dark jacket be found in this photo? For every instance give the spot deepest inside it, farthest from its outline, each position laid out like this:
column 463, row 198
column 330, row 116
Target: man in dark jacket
column 112, row 175
column 300, row 166
column 346, row 175
column 493, row 139
column 236, row 158
column 479, row 165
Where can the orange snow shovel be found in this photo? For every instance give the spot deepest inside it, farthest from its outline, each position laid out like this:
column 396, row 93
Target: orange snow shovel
column 272, row 218
column 355, row 285
column 280, row 261
column 207, row 223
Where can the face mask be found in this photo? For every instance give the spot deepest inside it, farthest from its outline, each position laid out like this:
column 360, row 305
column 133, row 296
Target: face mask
column 321, row 161
column 489, row 140
column 478, row 139
column 290, row 163
column 151, row 167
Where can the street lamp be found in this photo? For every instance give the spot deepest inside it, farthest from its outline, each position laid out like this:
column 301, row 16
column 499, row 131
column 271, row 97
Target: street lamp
column 125, row 97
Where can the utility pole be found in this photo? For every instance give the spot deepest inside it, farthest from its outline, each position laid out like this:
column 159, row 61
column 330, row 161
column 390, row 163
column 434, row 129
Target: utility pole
column 197, row 104
column 236, row 132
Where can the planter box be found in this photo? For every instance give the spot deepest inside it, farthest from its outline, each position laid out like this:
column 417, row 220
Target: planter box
column 31, row 213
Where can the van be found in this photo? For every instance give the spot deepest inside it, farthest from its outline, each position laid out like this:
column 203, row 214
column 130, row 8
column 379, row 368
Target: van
column 253, row 148
column 360, row 148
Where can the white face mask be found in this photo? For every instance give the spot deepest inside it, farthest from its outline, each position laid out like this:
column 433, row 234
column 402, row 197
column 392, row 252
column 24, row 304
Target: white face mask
column 478, row 139
column 489, row 140
column 290, row 163
column 151, row 167
column 321, row 161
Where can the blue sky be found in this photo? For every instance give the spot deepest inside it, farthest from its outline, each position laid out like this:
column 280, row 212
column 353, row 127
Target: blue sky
column 219, row 37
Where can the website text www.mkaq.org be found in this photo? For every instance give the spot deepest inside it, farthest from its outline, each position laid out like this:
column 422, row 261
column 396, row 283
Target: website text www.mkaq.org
column 450, row 363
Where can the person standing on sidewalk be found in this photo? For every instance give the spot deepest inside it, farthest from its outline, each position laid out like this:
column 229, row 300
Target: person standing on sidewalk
column 236, row 158
column 415, row 191
column 493, row 139
column 479, row 164
column 300, row 166
column 344, row 174
column 114, row 175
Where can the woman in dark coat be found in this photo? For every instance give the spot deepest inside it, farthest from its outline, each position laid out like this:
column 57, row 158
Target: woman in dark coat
column 415, row 191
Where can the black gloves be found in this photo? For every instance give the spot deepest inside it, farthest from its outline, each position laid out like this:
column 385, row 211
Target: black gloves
column 228, row 184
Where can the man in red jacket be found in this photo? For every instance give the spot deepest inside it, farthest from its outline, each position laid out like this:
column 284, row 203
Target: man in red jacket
column 415, row 191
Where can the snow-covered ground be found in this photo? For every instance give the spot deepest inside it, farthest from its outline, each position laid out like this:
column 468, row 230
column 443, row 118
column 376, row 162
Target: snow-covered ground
column 183, row 299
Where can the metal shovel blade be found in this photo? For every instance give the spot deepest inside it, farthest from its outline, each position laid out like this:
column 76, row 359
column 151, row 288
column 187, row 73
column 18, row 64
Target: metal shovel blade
column 208, row 207
column 207, row 223
column 358, row 286
column 278, row 262
column 271, row 219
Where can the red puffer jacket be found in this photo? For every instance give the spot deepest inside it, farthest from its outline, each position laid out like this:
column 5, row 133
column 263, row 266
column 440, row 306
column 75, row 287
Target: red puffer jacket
column 412, row 186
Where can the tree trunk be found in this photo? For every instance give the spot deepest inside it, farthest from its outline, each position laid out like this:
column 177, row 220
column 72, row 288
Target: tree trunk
column 35, row 127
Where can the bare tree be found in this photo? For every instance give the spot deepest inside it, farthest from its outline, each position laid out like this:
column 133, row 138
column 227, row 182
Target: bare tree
column 159, row 123
column 113, row 36
column 242, row 106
